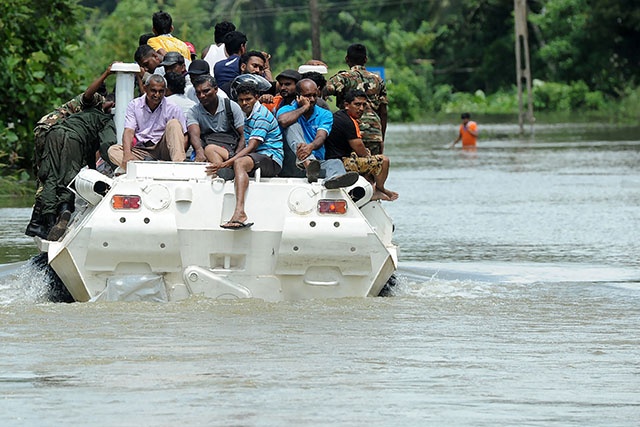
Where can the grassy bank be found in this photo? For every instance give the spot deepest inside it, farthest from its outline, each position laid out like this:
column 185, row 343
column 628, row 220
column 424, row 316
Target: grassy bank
column 552, row 103
column 16, row 193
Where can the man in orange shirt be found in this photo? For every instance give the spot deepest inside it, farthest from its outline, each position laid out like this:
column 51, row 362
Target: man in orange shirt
column 468, row 132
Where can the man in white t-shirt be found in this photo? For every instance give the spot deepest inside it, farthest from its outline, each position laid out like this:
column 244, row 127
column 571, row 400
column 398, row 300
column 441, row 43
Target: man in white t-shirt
column 216, row 52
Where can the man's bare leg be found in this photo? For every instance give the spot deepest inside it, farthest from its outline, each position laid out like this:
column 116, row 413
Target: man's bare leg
column 241, row 167
column 380, row 190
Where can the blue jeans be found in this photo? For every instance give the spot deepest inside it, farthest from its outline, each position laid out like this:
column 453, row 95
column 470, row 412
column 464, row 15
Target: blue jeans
column 293, row 136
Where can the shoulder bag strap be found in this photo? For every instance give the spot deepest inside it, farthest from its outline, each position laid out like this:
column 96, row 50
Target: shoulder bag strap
column 230, row 119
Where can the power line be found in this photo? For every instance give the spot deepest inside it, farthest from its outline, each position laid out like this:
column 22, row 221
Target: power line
column 338, row 6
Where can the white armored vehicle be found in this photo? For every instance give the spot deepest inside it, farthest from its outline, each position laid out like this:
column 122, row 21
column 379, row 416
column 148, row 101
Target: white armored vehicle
column 153, row 233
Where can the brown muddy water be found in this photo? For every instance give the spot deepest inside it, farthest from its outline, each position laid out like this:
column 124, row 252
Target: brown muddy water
column 518, row 304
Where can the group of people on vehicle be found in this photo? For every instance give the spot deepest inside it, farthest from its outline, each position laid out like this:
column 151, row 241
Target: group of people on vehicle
column 225, row 109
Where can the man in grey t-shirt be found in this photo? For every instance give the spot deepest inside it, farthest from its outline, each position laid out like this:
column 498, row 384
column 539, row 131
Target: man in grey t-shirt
column 216, row 123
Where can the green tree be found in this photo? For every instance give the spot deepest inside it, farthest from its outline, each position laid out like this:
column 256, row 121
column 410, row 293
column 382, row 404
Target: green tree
column 37, row 65
column 476, row 49
column 595, row 41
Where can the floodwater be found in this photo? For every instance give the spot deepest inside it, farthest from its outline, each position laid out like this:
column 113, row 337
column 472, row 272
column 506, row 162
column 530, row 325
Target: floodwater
column 518, row 304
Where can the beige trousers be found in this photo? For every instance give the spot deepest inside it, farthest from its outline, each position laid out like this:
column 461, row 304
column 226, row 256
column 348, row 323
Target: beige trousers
column 170, row 147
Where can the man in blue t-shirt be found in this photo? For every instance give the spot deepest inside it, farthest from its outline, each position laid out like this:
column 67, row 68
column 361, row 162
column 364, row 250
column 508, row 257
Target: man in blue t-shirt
column 227, row 69
column 263, row 151
column 306, row 128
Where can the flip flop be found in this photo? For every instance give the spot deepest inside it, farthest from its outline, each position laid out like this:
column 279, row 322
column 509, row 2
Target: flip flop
column 236, row 225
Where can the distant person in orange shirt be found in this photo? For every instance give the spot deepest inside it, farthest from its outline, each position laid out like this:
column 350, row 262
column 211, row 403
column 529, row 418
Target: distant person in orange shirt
column 468, row 132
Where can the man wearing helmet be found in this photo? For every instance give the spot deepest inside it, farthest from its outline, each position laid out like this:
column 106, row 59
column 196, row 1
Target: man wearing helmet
column 263, row 150
column 252, row 62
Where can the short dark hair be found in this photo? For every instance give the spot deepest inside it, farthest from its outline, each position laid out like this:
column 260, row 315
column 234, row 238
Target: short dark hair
column 316, row 77
column 205, row 78
column 233, row 41
column 175, row 82
column 222, row 29
column 247, row 87
column 465, row 116
column 162, row 22
column 245, row 57
column 351, row 95
column 357, row 53
column 144, row 38
column 142, row 52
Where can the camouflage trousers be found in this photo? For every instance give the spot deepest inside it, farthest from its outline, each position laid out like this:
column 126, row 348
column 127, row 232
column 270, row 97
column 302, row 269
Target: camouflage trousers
column 371, row 164
column 63, row 156
column 39, row 138
column 371, row 131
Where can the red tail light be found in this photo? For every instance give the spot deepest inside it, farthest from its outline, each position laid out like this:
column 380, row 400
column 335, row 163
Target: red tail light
column 120, row 201
column 332, row 206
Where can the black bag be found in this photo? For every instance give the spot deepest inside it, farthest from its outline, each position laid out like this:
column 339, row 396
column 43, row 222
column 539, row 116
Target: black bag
column 229, row 139
column 222, row 139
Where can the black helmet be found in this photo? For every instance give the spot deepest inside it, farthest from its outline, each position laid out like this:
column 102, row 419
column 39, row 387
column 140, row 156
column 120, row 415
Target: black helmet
column 261, row 84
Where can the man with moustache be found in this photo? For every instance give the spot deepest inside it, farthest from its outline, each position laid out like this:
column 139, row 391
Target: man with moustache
column 345, row 143
column 154, row 128
column 307, row 127
column 287, row 91
column 251, row 62
column 373, row 123
column 215, row 123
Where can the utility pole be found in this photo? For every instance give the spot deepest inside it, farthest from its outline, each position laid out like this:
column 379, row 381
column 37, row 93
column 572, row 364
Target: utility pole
column 523, row 71
column 316, row 52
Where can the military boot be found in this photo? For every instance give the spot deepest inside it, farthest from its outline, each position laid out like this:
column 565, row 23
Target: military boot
column 60, row 227
column 37, row 225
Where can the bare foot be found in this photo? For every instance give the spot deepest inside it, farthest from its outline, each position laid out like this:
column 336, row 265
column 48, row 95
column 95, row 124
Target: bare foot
column 391, row 194
column 379, row 195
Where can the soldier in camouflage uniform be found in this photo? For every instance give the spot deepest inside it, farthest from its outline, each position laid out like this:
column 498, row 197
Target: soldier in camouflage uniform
column 72, row 106
column 61, row 139
column 373, row 123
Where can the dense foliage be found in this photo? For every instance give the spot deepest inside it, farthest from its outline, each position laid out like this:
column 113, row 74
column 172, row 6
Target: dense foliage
column 439, row 56
column 37, row 71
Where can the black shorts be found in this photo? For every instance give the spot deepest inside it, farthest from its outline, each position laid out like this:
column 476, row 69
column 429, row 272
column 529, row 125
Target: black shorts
column 268, row 167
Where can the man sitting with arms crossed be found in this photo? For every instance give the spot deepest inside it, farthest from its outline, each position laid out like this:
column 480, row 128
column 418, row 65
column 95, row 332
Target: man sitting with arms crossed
column 157, row 125
column 307, row 127
column 345, row 143
column 263, row 151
